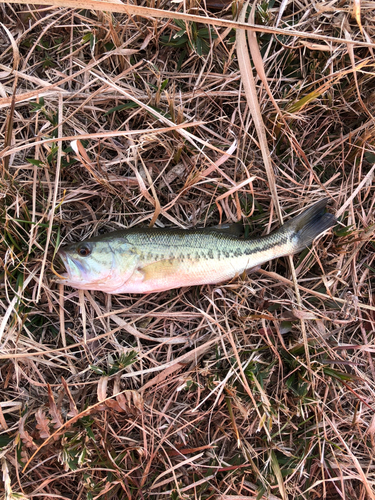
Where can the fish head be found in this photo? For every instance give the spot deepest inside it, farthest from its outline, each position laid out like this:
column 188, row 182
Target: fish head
column 95, row 264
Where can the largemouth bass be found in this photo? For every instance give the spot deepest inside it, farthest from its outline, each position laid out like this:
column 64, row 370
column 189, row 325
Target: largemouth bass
column 143, row 260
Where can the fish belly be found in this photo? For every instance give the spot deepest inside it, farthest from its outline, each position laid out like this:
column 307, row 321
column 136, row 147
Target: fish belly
column 167, row 274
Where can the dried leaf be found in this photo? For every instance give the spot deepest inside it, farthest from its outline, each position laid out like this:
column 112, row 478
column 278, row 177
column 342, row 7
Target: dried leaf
column 24, row 435
column 134, row 399
column 16, row 53
column 253, row 103
column 304, row 315
column 316, row 46
column 120, row 398
column 102, row 388
column 6, row 479
column 57, row 420
column 357, row 13
column 128, row 400
column 3, row 424
column 371, row 430
column 170, row 176
column 73, row 409
column 42, row 424
column 114, row 405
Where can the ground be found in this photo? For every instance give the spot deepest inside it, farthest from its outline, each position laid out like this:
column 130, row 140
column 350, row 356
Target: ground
column 262, row 387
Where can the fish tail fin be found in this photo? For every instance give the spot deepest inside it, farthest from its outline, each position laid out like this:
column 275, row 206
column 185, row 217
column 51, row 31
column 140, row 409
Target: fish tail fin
column 304, row 228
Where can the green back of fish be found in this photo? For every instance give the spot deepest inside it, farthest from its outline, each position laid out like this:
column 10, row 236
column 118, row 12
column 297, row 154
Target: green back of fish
column 222, row 243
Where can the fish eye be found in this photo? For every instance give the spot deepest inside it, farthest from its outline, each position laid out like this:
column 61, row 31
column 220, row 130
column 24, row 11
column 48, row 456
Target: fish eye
column 84, row 250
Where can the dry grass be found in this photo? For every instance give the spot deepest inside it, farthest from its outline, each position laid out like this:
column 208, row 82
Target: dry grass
column 257, row 388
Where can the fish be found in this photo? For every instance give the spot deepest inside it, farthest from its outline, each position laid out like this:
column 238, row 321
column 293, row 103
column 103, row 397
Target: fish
column 147, row 260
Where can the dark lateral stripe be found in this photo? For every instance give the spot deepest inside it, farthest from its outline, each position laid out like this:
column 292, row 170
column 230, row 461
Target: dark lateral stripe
column 265, row 244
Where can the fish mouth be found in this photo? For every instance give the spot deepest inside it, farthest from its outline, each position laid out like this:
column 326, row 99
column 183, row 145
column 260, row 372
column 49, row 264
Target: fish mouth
column 75, row 271
column 64, row 259
column 70, row 265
